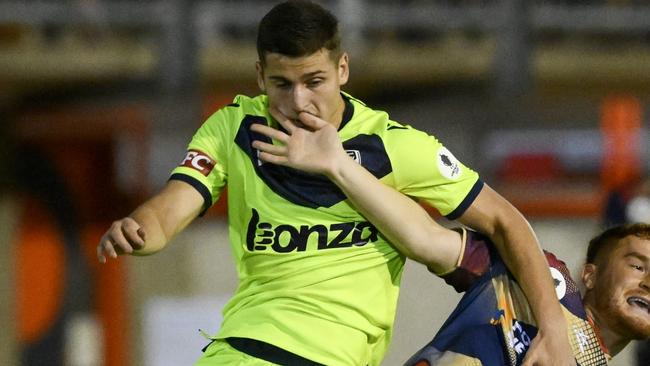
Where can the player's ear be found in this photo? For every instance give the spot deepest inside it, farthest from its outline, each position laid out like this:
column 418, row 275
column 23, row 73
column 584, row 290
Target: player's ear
column 589, row 275
column 260, row 76
column 343, row 68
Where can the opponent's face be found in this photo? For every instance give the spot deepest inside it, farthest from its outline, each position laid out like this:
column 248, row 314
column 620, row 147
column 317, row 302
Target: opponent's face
column 309, row 84
column 618, row 288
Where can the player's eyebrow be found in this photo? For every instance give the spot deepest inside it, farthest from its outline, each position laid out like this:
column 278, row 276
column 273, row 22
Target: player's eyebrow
column 312, row 74
column 279, row 78
column 637, row 255
column 302, row 77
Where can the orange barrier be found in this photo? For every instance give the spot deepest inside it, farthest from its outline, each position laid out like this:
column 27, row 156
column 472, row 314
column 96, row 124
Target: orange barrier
column 111, row 299
column 80, row 142
column 40, row 272
column 620, row 126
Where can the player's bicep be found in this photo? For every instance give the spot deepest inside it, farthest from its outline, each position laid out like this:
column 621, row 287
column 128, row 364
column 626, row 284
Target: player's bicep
column 489, row 213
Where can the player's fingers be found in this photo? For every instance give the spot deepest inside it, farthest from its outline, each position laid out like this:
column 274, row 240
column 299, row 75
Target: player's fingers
column 531, row 359
column 283, row 120
column 119, row 242
column 270, row 132
column 107, row 248
column 133, row 234
column 142, row 234
column 530, row 355
column 270, row 148
column 100, row 253
column 274, row 159
column 311, row 121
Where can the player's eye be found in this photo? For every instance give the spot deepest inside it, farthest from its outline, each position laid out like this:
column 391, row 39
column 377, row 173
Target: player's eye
column 314, row 82
column 638, row 267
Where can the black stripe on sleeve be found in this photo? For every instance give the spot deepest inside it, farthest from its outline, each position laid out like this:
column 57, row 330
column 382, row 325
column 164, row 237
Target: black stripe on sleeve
column 207, row 197
column 469, row 199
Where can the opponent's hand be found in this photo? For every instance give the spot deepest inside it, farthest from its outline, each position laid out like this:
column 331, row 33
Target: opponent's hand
column 312, row 146
column 550, row 348
column 123, row 237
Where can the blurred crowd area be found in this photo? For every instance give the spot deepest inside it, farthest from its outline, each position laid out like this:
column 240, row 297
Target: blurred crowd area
column 520, row 64
column 96, row 21
column 547, row 99
column 505, row 47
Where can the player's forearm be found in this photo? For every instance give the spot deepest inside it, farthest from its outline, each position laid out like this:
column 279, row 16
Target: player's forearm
column 522, row 254
column 166, row 214
column 398, row 217
column 515, row 240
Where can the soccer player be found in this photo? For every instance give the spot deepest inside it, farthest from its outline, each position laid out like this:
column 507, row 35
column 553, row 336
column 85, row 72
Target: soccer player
column 318, row 284
column 493, row 323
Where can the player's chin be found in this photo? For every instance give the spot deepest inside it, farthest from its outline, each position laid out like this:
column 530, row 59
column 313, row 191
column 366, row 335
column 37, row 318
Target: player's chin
column 637, row 326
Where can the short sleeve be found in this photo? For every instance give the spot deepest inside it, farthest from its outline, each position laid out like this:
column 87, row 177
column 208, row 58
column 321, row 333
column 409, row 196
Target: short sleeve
column 425, row 169
column 204, row 166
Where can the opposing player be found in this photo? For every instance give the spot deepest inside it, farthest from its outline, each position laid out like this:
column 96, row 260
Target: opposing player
column 493, row 323
column 318, row 282
column 613, row 312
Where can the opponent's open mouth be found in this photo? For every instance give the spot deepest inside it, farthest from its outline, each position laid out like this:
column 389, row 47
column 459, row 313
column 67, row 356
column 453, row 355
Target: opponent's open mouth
column 639, row 302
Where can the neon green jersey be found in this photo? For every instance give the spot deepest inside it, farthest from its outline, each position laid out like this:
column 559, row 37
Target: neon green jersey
column 317, row 279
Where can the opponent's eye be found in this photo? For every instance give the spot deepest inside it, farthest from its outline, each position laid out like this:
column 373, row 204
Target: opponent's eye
column 637, row 265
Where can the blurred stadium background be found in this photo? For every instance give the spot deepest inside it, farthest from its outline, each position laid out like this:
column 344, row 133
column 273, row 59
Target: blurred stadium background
column 545, row 98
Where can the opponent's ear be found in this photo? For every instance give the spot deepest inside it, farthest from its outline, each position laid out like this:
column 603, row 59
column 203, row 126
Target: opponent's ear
column 260, row 76
column 589, row 275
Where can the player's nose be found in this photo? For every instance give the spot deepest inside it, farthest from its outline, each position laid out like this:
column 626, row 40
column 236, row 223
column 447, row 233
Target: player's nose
column 645, row 281
column 299, row 98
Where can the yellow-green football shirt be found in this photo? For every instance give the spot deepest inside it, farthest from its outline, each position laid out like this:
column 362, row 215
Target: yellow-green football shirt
column 316, row 278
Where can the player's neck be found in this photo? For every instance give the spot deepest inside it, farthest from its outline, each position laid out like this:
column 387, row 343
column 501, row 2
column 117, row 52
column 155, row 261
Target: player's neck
column 611, row 342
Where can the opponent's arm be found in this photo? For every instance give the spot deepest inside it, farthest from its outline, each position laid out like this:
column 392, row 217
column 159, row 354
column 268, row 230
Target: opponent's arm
column 406, row 224
column 153, row 224
column 513, row 237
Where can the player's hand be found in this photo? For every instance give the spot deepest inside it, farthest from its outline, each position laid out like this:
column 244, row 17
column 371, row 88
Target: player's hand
column 310, row 144
column 550, row 348
column 123, row 237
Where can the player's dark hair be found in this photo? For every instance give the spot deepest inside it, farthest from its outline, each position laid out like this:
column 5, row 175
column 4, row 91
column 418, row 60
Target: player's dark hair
column 298, row 28
column 610, row 237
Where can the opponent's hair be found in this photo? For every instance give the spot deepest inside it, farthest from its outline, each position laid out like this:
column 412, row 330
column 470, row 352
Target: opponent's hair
column 610, row 237
column 298, row 28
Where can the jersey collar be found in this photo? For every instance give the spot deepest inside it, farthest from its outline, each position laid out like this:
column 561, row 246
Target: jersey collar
column 347, row 112
column 603, row 347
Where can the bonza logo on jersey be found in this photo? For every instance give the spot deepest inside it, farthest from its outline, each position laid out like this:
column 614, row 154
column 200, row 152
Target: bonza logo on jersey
column 198, row 161
column 285, row 238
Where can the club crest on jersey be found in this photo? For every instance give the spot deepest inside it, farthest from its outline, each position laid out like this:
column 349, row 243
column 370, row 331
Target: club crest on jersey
column 448, row 166
column 355, row 155
column 559, row 282
column 198, row 161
